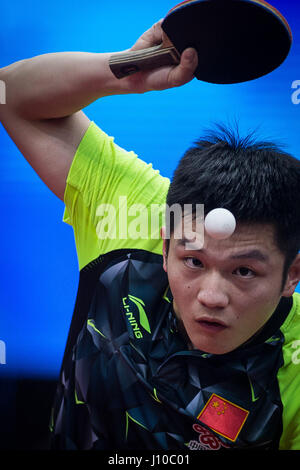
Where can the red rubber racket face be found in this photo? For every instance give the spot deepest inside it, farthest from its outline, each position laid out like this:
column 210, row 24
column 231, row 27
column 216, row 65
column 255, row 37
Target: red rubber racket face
column 236, row 40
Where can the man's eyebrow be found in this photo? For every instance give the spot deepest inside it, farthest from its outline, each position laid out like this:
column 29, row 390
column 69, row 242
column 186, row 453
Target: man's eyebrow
column 186, row 241
column 182, row 242
column 252, row 254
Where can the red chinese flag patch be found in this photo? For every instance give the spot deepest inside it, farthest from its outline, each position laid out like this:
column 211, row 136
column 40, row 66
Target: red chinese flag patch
column 223, row 417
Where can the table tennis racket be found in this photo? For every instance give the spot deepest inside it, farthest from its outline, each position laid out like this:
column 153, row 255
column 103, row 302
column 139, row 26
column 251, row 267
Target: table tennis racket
column 236, row 41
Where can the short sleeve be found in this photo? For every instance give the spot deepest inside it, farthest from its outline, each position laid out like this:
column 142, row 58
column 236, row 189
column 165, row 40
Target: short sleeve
column 112, row 198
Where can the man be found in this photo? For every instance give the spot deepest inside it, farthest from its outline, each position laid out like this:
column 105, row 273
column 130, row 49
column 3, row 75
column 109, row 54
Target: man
column 192, row 348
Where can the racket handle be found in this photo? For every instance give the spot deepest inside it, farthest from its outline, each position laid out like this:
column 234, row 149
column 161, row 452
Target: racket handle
column 127, row 63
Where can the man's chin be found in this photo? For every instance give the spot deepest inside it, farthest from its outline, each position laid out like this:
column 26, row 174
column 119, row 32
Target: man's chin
column 218, row 349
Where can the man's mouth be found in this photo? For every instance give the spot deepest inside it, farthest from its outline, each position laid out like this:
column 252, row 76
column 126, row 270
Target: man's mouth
column 211, row 325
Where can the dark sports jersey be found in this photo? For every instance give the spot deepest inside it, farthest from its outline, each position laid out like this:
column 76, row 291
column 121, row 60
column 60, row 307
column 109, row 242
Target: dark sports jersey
column 129, row 379
column 131, row 382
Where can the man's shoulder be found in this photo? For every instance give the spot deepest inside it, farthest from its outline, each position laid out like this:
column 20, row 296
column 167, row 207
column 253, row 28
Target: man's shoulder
column 289, row 378
column 291, row 341
column 130, row 293
column 291, row 326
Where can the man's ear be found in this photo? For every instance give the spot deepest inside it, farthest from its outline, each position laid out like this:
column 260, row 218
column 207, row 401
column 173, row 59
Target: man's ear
column 163, row 236
column 293, row 278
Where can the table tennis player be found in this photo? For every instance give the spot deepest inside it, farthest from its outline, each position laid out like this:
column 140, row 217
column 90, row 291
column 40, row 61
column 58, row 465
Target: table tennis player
column 171, row 347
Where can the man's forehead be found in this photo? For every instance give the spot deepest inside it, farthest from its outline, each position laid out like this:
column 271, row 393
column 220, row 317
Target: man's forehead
column 248, row 238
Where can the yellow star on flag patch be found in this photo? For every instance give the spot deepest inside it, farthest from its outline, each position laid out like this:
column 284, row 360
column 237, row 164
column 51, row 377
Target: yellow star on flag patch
column 223, row 417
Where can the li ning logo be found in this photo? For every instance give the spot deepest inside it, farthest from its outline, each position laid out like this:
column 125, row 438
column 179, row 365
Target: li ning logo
column 136, row 315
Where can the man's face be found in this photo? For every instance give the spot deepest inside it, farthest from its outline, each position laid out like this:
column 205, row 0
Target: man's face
column 225, row 292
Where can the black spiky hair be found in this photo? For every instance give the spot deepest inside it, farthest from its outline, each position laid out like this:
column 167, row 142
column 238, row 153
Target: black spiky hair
column 255, row 179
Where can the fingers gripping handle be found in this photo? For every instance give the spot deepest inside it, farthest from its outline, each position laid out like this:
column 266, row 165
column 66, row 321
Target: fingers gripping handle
column 127, row 63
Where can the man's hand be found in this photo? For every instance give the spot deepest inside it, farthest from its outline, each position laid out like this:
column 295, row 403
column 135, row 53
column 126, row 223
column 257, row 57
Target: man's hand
column 163, row 77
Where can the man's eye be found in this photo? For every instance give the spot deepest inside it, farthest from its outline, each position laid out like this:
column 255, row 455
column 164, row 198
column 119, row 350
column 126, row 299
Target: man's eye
column 245, row 272
column 193, row 262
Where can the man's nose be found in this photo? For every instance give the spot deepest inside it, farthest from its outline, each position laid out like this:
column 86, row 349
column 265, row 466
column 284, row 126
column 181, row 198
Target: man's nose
column 212, row 291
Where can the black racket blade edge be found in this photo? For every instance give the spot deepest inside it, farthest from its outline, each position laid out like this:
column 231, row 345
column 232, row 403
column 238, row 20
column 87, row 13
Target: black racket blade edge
column 236, row 40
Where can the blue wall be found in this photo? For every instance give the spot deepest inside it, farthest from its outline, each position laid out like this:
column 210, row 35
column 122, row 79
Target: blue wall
column 39, row 272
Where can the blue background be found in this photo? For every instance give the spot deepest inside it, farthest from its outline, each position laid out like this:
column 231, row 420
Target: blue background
column 39, row 271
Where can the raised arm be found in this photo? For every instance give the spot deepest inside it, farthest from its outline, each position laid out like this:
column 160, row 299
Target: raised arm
column 45, row 95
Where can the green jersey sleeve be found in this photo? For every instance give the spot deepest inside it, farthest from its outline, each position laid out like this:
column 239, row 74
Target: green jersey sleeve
column 289, row 379
column 112, row 198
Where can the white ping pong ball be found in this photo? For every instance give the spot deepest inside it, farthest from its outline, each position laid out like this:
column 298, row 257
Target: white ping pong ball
column 220, row 223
